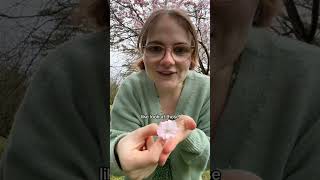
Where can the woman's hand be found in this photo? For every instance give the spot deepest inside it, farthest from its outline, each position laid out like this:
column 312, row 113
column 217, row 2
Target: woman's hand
column 138, row 153
column 185, row 124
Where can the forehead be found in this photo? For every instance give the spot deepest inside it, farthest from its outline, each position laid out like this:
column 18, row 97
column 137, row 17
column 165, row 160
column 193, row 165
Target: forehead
column 169, row 30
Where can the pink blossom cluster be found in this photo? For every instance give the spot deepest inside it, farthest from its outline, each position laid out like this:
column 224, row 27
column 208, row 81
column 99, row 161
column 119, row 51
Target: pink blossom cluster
column 138, row 1
column 167, row 129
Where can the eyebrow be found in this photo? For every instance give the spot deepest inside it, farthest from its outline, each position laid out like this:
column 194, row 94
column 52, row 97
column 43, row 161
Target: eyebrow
column 159, row 42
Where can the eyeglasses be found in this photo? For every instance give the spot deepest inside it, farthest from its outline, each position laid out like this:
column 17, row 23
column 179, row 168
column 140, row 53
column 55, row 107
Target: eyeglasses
column 179, row 53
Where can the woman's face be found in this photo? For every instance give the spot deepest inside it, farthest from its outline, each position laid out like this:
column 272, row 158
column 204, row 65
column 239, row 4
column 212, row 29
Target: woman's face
column 167, row 55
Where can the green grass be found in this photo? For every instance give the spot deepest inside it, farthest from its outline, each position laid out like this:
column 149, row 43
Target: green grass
column 116, row 178
column 206, row 175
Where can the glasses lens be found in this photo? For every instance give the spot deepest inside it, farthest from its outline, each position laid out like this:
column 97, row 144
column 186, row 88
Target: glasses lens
column 179, row 53
column 182, row 53
column 154, row 51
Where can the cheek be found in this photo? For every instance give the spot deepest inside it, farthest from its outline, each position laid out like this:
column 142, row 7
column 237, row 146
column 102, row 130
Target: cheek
column 186, row 65
column 184, row 68
column 150, row 68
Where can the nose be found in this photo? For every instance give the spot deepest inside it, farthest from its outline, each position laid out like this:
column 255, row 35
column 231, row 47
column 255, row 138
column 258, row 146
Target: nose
column 167, row 58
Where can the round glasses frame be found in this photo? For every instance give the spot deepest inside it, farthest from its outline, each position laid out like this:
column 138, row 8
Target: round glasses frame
column 157, row 52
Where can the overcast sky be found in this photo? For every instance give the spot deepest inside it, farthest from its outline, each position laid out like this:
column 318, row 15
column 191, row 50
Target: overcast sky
column 117, row 59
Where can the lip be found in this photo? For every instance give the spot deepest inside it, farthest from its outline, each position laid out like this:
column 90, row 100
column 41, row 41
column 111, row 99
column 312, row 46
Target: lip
column 166, row 73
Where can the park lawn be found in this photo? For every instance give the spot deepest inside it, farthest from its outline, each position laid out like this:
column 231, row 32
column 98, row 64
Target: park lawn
column 116, row 178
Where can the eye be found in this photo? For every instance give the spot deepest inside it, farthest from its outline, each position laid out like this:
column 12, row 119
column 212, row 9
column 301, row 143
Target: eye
column 181, row 50
column 154, row 49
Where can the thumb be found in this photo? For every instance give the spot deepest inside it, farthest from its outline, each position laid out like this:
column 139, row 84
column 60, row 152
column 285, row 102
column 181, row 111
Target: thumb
column 189, row 124
column 186, row 122
column 146, row 131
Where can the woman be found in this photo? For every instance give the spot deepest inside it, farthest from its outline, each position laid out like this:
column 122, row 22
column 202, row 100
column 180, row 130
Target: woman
column 266, row 95
column 166, row 85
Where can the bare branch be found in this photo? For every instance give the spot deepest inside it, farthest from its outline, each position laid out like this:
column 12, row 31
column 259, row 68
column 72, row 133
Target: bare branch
column 295, row 19
column 44, row 13
column 43, row 45
column 314, row 21
column 207, row 54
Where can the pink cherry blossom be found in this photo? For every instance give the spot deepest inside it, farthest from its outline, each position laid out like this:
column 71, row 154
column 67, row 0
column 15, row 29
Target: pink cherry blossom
column 167, row 129
column 139, row 2
column 128, row 16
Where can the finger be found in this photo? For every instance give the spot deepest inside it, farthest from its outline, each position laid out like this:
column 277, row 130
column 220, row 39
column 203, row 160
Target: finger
column 186, row 122
column 149, row 142
column 189, row 124
column 169, row 146
column 154, row 152
column 144, row 132
column 145, row 144
column 157, row 147
column 167, row 149
column 163, row 158
column 142, row 148
column 149, row 157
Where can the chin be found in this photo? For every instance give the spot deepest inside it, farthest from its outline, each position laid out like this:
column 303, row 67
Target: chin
column 167, row 84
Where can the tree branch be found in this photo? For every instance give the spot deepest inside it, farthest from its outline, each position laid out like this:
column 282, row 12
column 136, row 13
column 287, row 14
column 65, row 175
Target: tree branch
column 314, row 21
column 43, row 45
column 295, row 19
column 43, row 13
column 208, row 57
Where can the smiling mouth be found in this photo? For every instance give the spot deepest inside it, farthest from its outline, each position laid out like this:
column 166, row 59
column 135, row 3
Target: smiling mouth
column 166, row 73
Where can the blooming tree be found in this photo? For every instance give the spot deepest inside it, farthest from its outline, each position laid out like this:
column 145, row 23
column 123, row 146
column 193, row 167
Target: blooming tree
column 128, row 16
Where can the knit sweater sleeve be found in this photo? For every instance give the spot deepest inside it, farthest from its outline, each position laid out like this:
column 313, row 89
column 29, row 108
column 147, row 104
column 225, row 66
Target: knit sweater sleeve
column 194, row 151
column 125, row 117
